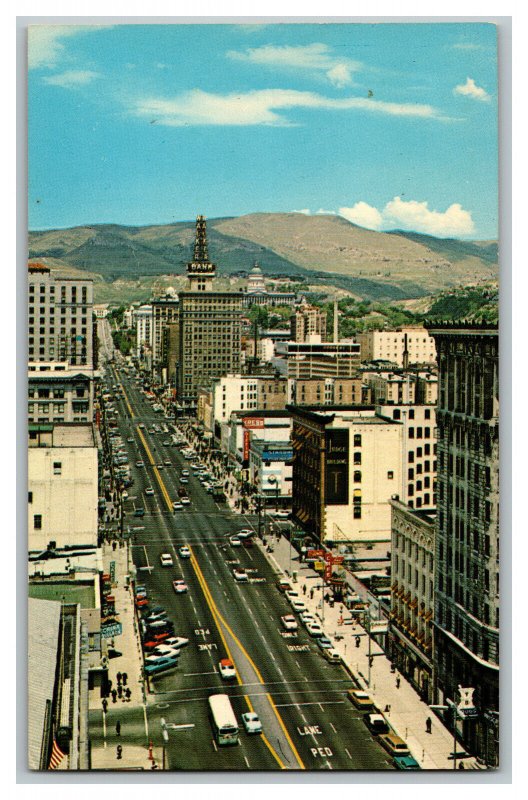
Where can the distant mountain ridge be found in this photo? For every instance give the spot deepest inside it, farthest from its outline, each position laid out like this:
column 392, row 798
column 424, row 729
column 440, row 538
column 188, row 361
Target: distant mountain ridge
column 322, row 248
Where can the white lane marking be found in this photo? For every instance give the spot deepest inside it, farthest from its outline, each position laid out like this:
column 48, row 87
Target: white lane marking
column 298, row 705
column 273, row 657
column 298, row 665
column 190, row 674
column 247, row 762
column 348, row 754
column 214, row 745
column 328, row 764
column 145, row 718
column 333, row 728
column 321, row 707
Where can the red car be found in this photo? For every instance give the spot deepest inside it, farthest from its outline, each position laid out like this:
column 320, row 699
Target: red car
column 156, row 639
column 141, row 602
column 247, row 542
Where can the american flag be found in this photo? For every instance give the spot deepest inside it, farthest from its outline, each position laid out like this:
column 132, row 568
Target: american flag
column 56, row 756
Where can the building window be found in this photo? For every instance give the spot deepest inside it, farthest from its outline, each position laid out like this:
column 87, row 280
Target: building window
column 357, row 458
column 390, row 475
column 357, row 440
column 411, row 413
column 30, row 497
column 57, row 468
column 37, row 522
column 427, row 413
column 357, row 512
column 357, row 476
column 411, row 433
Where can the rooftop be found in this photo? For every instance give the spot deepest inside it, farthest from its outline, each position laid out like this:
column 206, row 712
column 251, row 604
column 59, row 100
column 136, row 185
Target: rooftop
column 67, row 434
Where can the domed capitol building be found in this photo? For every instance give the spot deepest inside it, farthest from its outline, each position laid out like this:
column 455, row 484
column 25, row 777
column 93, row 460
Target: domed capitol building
column 257, row 293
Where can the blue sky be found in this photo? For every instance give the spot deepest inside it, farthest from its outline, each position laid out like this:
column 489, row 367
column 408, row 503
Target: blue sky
column 390, row 126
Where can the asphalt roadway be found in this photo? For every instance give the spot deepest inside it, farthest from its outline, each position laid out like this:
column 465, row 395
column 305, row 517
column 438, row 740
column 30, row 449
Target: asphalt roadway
column 308, row 721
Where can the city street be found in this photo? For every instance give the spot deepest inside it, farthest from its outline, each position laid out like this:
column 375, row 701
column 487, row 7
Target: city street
column 308, row 721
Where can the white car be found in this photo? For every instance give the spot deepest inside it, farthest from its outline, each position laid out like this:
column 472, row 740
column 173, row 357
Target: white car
column 252, row 723
column 139, row 464
column 297, row 605
column 179, row 586
column 167, row 462
column 174, row 641
column 176, row 506
column 186, row 501
column 167, row 652
column 289, row 622
column 331, row 655
column 306, row 617
column 184, row 552
column 234, row 541
column 227, row 669
column 314, row 629
column 240, row 575
column 166, row 560
column 149, row 491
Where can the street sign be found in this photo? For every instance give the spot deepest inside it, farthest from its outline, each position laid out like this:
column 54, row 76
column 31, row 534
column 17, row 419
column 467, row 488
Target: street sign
column 319, row 566
column 315, row 554
column 114, row 629
column 338, row 559
column 466, row 707
column 112, row 571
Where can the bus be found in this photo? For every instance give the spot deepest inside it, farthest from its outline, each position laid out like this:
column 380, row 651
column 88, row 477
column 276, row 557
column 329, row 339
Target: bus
column 223, row 720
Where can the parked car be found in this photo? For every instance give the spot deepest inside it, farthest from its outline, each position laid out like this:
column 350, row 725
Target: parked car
column 283, row 585
column 183, row 479
column 405, row 762
column 377, row 724
column 297, row 605
column 251, row 722
column 289, row 622
column 166, row 560
column 155, row 615
column 393, row 744
column 179, row 586
column 186, row 501
column 156, row 656
column 324, row 643
column 306, row 617
column 314, row 629
column 331, row 655
column 167, row 462
column 360, row 699
column 227, row 669
column 161, row 665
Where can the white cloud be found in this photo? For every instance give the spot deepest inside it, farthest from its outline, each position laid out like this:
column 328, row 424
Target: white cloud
column 305, row 211
column 470, row 89
column 71, row 79
column 260, row 107
column 46, row 42
column 312, row 57
column 325, row 211
column 364, row 215
column 416, row 216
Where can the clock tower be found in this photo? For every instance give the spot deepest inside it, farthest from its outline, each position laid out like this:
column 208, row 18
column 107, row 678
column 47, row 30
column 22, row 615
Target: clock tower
column 200, row 270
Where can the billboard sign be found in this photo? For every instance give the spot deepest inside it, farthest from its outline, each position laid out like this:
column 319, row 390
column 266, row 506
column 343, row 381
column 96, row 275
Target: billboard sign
column 253, row 422
column 277, row 455
column 315, row 554
column 245, row 452
column 336, row 466
column 111, row 629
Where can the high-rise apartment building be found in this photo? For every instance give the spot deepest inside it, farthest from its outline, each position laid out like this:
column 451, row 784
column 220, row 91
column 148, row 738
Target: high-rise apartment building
column 209, row 326
column 144, row 329
column 467, row 534
column 306, row 322
column 318, row 359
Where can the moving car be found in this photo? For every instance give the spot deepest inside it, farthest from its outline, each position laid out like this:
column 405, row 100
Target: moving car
column 140, row 464
column 183, row 479
column 227, row 669
column 186, row 501
column 240, row 575
column 360, row 699
column 177, row 506
column 289, row 622
column 251, row 722
column 167, row 462
column 149, row 491
column 179, row 586
column 166, row 560
column 184, row 552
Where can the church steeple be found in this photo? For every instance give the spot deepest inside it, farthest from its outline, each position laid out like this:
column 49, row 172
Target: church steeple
column 200, row 270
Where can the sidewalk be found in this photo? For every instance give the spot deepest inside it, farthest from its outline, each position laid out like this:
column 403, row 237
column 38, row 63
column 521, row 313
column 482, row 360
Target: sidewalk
column 408, row 713
column 130, row 662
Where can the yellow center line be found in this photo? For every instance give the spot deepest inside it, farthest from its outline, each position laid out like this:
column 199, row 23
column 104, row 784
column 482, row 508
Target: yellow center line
column 125, row 394
column 217, row 616
column 156, row 471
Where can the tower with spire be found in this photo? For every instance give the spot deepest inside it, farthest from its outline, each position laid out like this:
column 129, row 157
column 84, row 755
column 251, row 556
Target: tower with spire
column 200, row 270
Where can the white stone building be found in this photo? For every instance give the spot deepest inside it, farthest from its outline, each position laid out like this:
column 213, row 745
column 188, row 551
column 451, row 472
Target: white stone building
column 391, row 345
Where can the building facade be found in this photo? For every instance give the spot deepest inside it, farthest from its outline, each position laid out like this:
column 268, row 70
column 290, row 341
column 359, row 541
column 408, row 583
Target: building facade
column 323, row 360
column 406, row 345
column 346, row 466
column 144, row 329
column 165, row 310
column 412, row 596
column 467, row 535
column 270, row 470
column 62, row 486
column 330, row 392
column 59, row 392
column 60, row 313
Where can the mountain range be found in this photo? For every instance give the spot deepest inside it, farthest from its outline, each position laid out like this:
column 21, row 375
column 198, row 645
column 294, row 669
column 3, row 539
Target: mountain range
column 321, row 249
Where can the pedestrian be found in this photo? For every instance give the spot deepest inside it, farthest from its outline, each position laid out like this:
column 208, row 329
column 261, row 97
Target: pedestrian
column 128, row 694
column 304, row 588
column 113, row 545
column 358, row 641
column 428, row 724
column 387, row 709
column 119, row 690
column 119, row 676
column 398, row 681
column 105, row 705
column 114, row 696
column 311, row 594
column 461, row 765
column 118, row 728
column 119, row 752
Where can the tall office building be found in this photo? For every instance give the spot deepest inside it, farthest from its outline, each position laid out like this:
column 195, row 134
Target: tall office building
column 165, row 311
column 209, row 327
column 307, row 321
column 467, row 535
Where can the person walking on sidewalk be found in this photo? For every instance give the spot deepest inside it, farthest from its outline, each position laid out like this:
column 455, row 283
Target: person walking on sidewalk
column 114, row 696
column 304, row 588
column 398, row 681
column 428, row 725
column 119, row 676
column 311, row 594
column 124, row 678
column 118, row 728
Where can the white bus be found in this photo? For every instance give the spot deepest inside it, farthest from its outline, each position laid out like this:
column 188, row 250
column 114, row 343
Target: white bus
column 223, row 720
